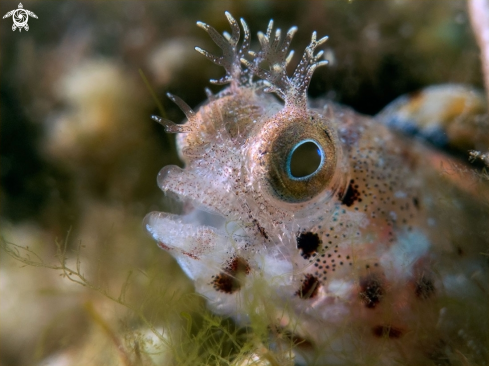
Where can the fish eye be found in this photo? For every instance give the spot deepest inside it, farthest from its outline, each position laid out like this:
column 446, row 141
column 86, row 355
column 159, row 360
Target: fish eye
column 304, row 160
column 297, row 160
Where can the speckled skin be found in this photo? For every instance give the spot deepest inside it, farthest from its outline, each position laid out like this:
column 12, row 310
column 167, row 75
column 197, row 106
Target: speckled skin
column 374, row 259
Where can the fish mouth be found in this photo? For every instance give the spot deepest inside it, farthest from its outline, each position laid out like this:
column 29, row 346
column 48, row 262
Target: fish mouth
column 197, row 237
column 188, row 228
column 191, row 212
column 187, row 198
column 196, row 229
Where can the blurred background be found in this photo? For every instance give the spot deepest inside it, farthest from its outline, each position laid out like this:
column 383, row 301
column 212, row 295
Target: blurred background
column 80, row 155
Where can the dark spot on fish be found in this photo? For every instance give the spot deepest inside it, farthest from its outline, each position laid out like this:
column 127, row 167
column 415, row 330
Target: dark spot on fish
column 372, row 290
column 387, row 331
column 351, row 196
column 416, row 202
column 190, row 255
column 238, row 265
column 260, row 229
column 163, row 246
column 308, row 242
column 310, row 287
column 226, row 283
column 229, row 280
column 424, row 287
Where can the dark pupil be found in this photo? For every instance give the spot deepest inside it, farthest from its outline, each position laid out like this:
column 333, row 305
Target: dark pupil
column 305, row 160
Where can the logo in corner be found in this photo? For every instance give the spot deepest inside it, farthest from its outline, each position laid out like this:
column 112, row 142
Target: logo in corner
column 20, row 17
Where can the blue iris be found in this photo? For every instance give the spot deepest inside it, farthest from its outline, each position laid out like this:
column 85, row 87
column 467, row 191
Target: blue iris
column 304, row 160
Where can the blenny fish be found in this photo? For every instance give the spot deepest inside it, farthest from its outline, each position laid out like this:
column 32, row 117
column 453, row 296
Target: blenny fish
column 354, row 243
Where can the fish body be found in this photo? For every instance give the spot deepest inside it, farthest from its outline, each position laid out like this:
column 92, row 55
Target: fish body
column 343, row 236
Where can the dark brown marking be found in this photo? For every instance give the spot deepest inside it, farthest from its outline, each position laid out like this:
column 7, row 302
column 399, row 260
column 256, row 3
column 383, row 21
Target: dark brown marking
column 424, row 287
column 229, row 281
column 310, row 287
column 416, row 202
column 260, row 229
column 163, row 246
column 387, row 331
column 308, row 243
column 351, row 196
column 238, row 265
column 226, row 283
column 372, row 290
column 188, row 254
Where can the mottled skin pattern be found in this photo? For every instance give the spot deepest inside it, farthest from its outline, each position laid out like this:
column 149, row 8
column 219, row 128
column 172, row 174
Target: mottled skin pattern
column 375, row 258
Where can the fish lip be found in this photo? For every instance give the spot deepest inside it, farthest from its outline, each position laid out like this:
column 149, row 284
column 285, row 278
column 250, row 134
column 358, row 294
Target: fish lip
column 195, row 239
column 180, row 217
column 195, row 215
column 189, row 210
column 193, row 205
